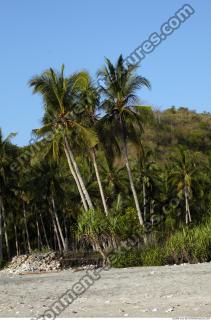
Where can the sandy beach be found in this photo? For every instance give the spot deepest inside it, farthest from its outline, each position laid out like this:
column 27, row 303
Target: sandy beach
column 168, row 291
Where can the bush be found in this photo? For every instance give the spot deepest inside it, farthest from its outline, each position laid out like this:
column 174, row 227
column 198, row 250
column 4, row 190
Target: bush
column 190, row 246
column 153, row 257
column 185, row 246
column 126, row 258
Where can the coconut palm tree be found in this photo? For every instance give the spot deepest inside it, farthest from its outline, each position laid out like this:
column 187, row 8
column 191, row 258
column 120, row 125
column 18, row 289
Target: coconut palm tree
column 89, row 101
column 182, row 175
column 60, row 123
column 147, row 177
column 119, row 88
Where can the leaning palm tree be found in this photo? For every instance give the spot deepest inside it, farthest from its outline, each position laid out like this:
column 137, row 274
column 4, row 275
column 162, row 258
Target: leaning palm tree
column 119, row 88
column 60, row 123
column 89, row 99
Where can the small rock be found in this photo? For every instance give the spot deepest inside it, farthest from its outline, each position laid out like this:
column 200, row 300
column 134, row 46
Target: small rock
column 152, row 272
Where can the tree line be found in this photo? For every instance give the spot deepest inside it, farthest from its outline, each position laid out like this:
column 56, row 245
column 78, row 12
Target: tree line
column 103, row 167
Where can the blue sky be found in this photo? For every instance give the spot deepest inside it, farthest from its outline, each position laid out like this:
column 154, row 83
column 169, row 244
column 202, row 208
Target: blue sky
column 39, row 34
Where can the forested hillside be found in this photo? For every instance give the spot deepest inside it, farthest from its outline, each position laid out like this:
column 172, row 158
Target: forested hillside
column 103, row 170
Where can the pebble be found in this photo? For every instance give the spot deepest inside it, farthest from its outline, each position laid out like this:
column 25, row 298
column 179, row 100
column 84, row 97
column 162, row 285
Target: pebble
column 170, row 309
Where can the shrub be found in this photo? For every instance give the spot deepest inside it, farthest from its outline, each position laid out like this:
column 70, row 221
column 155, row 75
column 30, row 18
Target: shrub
column 153, row 257
column 187, row 245
column 126, row 258
column 191, row 246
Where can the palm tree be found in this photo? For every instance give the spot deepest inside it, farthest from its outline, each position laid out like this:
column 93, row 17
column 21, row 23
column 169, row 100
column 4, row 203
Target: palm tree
column 181, row 175
column 122, row 117
column 59, row 121
column 89, row 101
column 148, row 179
column 46, row 184
column 5, row 148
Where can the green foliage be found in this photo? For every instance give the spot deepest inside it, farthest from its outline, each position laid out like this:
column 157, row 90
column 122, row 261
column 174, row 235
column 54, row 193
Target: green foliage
column 126, row 258
column 128, row 224
column 44, row 249
column 185, row 246
column 154, row 256
column 190, row 245
column 92, row 224
column 151, row 256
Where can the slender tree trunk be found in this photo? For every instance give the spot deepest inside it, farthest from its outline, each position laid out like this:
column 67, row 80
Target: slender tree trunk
column 99, row 181
column 100, row 250
column 189, row 215
column 44, row 232
column 5, row 230
column 187, row 208
column 55, row 230
column 75, row 178
column 39, row 239
column 26, row 228
column 152, row 211
column 57, row 221
column 25, row 248
column 16, row 240
column 66, row 235
column 80, row 179
column 144, row 200
column 132, row 186
column 1, row 245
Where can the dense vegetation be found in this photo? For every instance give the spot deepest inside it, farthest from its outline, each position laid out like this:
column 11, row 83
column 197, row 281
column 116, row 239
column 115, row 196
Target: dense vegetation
column 105, row 174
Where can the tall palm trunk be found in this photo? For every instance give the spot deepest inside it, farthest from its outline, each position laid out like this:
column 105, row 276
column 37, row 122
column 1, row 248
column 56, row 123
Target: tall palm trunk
column 152, row 204
column 75, row 178
column 77, row 171
column 144, row 200
column 189, row 215
column 99, row 181
column 57, row 221
column 66, row 234
column 44, row 232
column 5, row 230
column 39, row 239
column 1, row 246
column 16, row 240
column 26, row 228
column 55, row 230
column 187, row 208
column 127, row 164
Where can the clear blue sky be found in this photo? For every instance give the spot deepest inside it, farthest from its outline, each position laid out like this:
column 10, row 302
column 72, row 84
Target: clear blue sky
column 39, row 34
